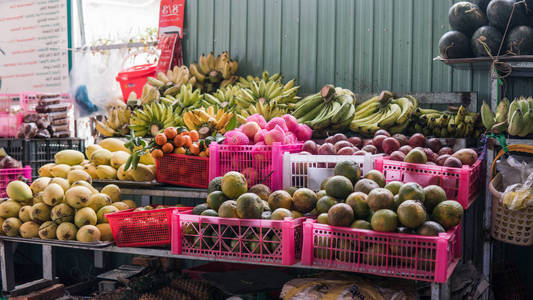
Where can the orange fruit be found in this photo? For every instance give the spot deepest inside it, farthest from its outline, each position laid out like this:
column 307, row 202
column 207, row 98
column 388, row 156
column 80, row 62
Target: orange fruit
column 187, row 141
column 170, row 132
column 180, row 150
column 178, row 140
column 160, row 139
column 167, row 148
column 194, row 135
column 194, row 149
column 203, row 154
column 157, row 153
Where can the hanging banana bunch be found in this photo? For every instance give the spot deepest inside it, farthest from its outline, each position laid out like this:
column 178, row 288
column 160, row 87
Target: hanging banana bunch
column 455, row 122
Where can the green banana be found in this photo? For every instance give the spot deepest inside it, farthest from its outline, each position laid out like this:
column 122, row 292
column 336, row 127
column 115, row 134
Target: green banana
column 487, row 116
column 501, row 111
column 516, row 122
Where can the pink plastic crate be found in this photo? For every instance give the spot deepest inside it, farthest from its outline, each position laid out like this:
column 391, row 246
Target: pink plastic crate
column 142, row 228
column 255, row 162
column 424, row 258
column 7, row 101
column 8, row 175
column 10, row 124
column 28, row 101
column 240, row 240
column 461, row 184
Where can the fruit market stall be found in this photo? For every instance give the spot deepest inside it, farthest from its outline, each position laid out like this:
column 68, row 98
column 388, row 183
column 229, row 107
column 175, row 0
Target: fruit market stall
column 212, row 157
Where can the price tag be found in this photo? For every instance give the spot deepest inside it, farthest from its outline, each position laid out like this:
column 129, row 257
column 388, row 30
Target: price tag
column 315, row 176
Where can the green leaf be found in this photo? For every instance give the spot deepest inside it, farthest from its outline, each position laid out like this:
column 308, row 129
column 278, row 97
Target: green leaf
column 231, row 124
column 135, row 161
column 128, row 162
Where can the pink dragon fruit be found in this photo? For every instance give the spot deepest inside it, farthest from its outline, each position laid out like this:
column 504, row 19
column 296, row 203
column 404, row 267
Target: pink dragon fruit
column 304, row 133
column 291, row 122
column 277, row 121
column 259, row 119
column 274, row 136
column 235, row 137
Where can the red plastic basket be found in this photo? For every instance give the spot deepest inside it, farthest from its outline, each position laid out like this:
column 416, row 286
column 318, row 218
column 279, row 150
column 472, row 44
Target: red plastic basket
column 134, row 78
column 142, row 228
column 28, row 100
column 184, row 170
column 8, row 175
column 239, row 240
column 425, row 258
column 461, row 184
column 255, row 162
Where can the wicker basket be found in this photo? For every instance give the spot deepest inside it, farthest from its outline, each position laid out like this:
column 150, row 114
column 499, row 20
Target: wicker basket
column 509, row 226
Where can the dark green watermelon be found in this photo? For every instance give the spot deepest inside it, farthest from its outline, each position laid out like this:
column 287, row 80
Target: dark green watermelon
column 487, row 36
column 481, row 3
column 466, row 17
column 499, row 11
column 520, row 41
column 454, row 44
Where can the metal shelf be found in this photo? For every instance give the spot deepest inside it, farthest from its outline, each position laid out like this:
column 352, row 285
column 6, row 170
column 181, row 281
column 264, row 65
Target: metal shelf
column 438, row 291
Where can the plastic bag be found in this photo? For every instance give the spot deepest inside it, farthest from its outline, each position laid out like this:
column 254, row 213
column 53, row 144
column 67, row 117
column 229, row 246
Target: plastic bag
column 519, row 196
column 514, row 169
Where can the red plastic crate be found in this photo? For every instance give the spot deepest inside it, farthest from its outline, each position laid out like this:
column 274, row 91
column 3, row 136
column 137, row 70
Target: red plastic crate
column 8, row 175
column 239, row 240
column 142, row 228
column 461, row 184
column 183, row 170
column 255, row 162
column 28, row 100
column 416, row 257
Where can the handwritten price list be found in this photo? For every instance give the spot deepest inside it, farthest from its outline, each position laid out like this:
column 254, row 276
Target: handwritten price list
column 34, row 42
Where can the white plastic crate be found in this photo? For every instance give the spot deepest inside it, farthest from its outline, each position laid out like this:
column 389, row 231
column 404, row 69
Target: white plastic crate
column 310, row 170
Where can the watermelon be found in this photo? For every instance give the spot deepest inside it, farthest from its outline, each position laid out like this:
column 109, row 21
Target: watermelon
column 520, row 41
column 499, row 11
column 487, row 36
column 481, row 3
column 466, row 17
column 454, row 44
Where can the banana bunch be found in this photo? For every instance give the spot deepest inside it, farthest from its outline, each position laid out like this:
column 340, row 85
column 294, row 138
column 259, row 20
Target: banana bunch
column 270, row 98
column 153, row 118
column 207, row 120
column 210, row 73
column 515, row 117
column 247, row 82
column 383, row 112
column 330, row 109
column 165, row 85
column 457, row 122
column 187, row 99
column 223, row 97
column 117, row 120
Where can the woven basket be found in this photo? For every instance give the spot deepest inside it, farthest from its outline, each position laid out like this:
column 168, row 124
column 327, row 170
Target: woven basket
column 509, row 226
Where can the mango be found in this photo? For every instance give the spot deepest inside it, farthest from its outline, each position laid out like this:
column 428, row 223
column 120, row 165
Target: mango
column 69, row 157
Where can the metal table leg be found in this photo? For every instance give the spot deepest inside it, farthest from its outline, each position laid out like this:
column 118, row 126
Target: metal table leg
column 440, row 291
column 48, row 263
column 8, row 271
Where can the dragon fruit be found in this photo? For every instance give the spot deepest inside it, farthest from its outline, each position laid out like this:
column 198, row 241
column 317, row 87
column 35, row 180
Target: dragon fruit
column 259, row 119
column 274, row 136
column 235, row 137
column 303, row 133
column 260, row 136
column 291, row 122
column 250, row 129
column 277, row 121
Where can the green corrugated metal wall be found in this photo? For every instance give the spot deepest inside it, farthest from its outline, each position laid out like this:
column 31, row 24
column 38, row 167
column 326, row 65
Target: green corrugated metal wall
column 364, row 45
